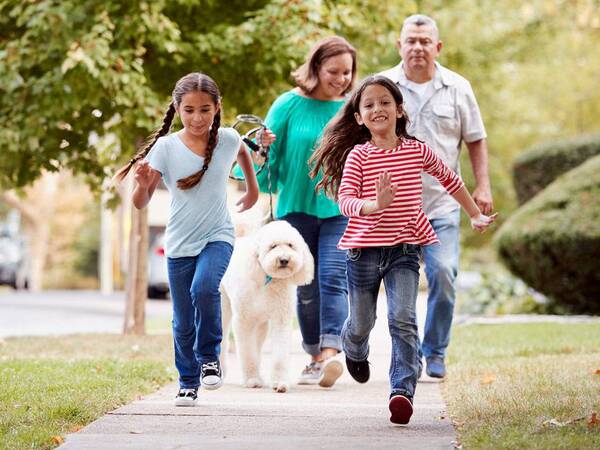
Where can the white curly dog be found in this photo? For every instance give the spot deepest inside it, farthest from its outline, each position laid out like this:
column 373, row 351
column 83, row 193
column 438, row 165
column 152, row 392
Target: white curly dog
column 259, row 292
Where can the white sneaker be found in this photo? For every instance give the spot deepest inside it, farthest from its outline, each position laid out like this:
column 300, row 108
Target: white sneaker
column 311, row 373
column 331, row 371
column 211, row 376
column 186, row 397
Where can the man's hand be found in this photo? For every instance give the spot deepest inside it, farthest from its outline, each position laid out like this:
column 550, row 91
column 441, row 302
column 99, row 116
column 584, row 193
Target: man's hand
column 483, row 199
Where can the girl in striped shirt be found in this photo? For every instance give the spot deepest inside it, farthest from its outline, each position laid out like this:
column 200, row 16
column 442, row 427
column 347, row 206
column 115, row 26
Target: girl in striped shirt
column 373, row 167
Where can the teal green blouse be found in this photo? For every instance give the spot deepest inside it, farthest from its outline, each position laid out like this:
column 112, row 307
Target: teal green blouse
column 298, row 122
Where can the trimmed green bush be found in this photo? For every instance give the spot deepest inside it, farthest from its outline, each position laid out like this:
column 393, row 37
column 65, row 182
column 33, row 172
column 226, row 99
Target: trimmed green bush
column 553, row 241
column 536, row 168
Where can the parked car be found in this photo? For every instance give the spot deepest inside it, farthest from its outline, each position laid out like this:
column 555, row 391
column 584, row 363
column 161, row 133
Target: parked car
column 14, row 267
column 158, row 279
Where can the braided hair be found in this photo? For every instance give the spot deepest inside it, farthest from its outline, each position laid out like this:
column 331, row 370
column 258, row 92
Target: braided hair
column 195, row 81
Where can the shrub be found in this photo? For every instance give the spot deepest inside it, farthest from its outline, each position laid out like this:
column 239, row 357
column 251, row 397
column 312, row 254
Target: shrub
column 500, row 292
column 536, row 168
column 553, row 241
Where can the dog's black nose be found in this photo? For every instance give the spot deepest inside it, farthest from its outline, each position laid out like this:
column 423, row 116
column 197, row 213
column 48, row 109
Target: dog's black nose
column 283, row 262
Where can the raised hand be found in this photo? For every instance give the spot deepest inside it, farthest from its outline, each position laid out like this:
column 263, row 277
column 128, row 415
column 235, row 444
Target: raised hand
column 482, row 222
column 386, row 191
column 143, row 174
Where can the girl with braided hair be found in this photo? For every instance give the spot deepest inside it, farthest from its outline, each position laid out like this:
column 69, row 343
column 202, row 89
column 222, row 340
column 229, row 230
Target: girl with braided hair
column 194, row 164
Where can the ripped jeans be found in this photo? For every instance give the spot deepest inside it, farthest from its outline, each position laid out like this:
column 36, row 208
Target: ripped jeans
column 323, row 304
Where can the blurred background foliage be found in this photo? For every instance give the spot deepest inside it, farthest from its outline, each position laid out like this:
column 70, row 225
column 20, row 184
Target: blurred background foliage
column 71, row 69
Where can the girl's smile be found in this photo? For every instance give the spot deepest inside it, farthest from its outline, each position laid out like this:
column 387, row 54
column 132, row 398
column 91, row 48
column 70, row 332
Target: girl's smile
column 378, row 111
column 197, row 111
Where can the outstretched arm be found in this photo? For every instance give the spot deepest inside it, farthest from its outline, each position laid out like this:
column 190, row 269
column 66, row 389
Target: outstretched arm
column 480, row 222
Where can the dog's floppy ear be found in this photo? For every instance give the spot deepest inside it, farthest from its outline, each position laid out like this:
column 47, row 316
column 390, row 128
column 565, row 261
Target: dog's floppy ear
column 306, row 274
column 254, row 267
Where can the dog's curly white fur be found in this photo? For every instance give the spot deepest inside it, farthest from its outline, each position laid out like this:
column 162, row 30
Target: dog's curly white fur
column 259, row 292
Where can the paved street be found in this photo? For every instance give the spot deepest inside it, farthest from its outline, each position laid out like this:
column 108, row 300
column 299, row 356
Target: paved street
column 67, row 312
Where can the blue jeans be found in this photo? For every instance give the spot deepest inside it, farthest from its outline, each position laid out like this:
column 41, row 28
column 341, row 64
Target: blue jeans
column 323, row 304
column 398, row 267
column 441, row 268
column 197, row 330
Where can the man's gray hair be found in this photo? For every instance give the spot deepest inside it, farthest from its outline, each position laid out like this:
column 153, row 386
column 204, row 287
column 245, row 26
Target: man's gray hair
column 420, row 20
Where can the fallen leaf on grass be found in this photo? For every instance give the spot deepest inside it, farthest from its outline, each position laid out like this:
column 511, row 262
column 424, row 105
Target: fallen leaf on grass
column 58, row 440
column 488, row 379
column 558, row 424
column 593, row 420
column 553, row 423
column 597, row 372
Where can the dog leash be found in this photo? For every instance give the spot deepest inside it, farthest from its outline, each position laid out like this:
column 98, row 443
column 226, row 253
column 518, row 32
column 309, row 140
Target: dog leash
column 259, row 148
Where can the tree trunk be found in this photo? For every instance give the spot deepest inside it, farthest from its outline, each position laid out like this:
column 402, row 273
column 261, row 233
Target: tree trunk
column 106, row 249
column 37, row 209
column 137, row 275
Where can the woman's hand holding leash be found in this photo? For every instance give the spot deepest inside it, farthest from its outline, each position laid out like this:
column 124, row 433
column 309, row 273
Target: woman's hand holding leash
column 265, row 138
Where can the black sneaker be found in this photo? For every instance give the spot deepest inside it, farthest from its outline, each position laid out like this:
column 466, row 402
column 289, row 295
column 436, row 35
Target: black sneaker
column 359, row 370
column 186, row 397
column 401, row 409
column 211, row 376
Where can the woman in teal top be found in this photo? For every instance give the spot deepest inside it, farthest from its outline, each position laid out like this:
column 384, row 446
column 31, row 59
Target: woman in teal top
column 298, row 118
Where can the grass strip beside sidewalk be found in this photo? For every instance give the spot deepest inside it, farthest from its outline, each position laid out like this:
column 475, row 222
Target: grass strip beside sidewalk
column 525, row 385
column 51, row 386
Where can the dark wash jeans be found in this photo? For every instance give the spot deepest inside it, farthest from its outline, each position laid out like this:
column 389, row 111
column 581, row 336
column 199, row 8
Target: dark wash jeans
column 398, row 267
column 323, row 304
column 197, row 329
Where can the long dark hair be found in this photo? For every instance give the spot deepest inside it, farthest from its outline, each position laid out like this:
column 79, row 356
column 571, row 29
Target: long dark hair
column 344, row 132
column 192, row 82
column 307, row 75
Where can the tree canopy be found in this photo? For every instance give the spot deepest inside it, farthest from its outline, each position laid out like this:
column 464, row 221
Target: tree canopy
column 71, row 69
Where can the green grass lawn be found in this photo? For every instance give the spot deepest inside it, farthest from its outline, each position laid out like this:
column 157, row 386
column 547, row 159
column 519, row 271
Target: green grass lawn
column 53, row 386
column 507, row 382
column 504, row 382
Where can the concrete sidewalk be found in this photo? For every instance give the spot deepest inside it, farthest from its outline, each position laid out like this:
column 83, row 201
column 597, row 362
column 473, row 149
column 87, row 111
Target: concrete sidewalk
column 349, row 415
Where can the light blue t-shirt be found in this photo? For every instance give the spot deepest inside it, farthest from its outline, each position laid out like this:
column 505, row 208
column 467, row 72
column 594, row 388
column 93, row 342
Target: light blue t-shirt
column 198, row 215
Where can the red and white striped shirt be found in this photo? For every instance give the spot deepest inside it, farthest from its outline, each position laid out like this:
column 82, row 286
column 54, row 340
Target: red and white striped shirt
column 403, row 221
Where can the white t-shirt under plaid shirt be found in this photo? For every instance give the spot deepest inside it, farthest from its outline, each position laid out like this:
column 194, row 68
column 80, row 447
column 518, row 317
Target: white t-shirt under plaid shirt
column 403, row 221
